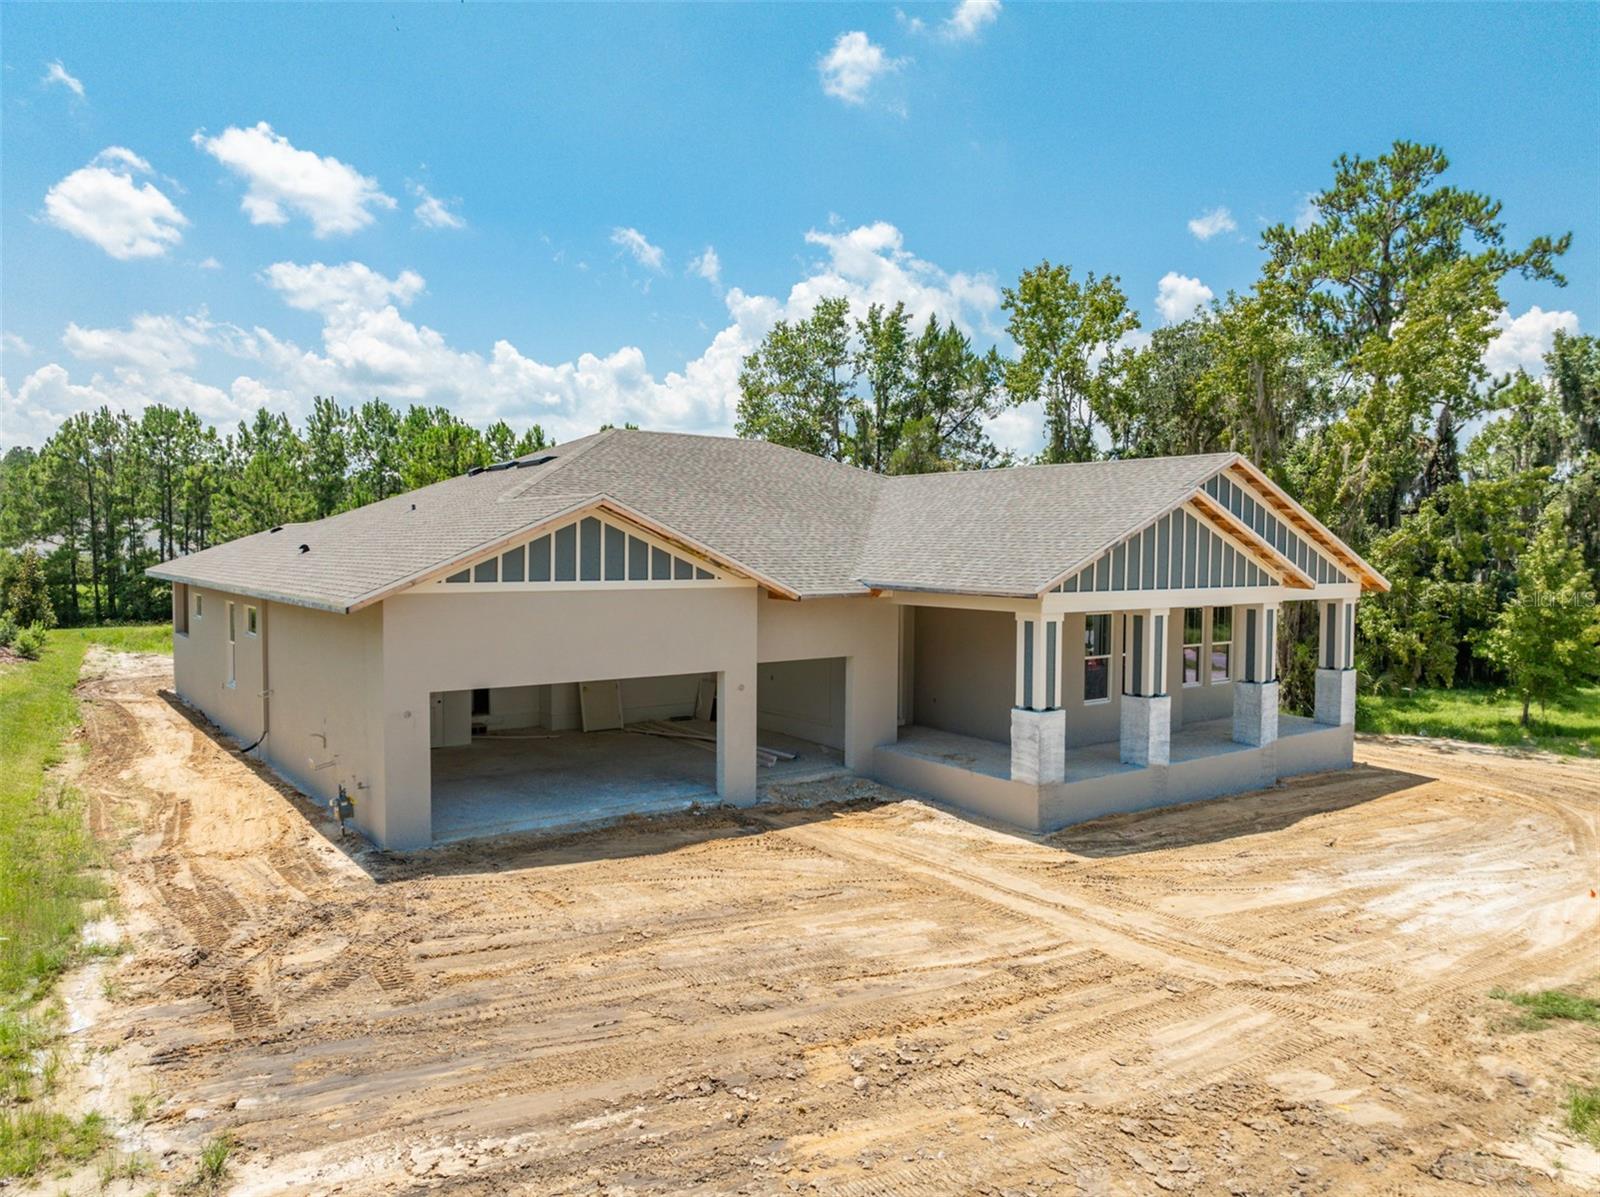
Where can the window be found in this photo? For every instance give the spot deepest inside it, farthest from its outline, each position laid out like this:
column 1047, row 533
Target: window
column 249, row 621
column 233, row 647
column 1194, row 631
column 480, row 702
column 199, row 605
column 1096, row 658
column 180, row 608
column 1221, row 642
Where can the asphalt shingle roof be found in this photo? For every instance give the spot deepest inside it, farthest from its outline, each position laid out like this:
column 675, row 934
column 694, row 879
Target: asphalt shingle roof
column 810, row 526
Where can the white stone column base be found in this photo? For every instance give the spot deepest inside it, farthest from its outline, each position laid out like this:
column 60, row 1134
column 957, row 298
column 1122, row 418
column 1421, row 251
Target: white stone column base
column 1146, row 730
column 1038, row 746
column 1255, row 713
column 1336, row 696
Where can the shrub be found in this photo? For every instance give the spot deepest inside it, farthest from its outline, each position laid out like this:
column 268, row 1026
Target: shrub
column 30, row 641
column 8, row 631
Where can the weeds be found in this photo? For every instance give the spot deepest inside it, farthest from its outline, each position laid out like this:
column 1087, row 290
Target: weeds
column 213, row 1167
column 1583, row 1113
column 141, row 1106
column 1549, row 1005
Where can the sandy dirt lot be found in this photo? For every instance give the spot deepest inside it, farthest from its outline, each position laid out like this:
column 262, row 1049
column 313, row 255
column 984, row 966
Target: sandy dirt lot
column 853, row 994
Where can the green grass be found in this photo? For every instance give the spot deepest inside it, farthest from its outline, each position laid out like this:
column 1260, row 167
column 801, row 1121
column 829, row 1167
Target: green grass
column 1549, row 1005
column 46, row 853
column 1583, row 1113
column 1486, row 717
column 127, row 637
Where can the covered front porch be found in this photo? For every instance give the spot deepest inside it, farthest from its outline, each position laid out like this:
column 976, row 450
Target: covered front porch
column 1115, row 710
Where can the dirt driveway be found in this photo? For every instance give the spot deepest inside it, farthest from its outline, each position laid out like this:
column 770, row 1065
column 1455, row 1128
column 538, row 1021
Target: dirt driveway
column 1278, row 993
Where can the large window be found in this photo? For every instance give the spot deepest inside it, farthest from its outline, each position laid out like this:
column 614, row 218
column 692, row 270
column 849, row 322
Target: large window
column 1221, row 642
column 1096, row 658
column 1194, row 632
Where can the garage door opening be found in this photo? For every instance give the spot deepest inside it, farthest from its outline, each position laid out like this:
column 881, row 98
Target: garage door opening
column 800, row 711
column 581, row 754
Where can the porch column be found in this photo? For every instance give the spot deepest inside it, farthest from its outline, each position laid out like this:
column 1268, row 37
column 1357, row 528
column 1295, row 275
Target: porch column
column 1336, row 675
column 1255, row 692
column 1146, row 704
column 736, row 734
column 1038, row 724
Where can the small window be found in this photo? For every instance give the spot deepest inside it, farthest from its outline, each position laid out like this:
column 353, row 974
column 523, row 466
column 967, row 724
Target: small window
column 199, row 605
column 1221, row 642
column 180, row 608
column 480, row 702
column 249, row 621
column 1096, row 658
column 1194, row 630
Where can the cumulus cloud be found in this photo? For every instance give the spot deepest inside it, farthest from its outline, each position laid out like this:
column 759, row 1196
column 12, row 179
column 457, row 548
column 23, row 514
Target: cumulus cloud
column 1522, row 341
column 970, row 18
column 1208, row 224
column 282, row 180
column 708, row 266
column 15, row 343
column 639, row 248
column 432, row 212
column 102, row 203
column 209, row 264
column 369, row 346
column 852, row 66
column 57, row 75
column 1178, row 295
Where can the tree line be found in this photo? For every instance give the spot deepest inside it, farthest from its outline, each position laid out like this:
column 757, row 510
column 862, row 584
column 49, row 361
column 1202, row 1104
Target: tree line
column 1348, row 372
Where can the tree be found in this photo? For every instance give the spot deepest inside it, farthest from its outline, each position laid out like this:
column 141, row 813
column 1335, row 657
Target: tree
column 26, row 600
column 374, row 454
column 949, row 396
column 884, row 363
column 1398, row 278
column 1068, row 336
column 327, row 456
column 1547, row 638
column 796, row 389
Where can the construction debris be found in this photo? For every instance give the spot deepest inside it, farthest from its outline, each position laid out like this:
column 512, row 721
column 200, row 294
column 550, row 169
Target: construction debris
column 702, row 735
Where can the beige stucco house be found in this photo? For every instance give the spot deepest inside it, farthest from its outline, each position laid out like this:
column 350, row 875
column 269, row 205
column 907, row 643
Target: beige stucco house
column 639, row 621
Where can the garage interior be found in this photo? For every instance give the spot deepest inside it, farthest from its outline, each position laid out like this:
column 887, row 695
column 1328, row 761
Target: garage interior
column 580, row 754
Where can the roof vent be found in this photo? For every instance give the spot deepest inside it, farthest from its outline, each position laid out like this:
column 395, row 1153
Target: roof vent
column 305, row 548
column 279, row 528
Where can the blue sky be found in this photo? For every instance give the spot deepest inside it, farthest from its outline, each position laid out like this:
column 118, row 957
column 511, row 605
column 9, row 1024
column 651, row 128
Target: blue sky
column 508, row 209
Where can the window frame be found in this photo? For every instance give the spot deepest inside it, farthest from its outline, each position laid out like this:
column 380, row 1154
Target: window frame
column 180, row 609
column 252, row 620
column 1198, row 644
column 1105, row 657
column 233, row 645
column 1226, row 645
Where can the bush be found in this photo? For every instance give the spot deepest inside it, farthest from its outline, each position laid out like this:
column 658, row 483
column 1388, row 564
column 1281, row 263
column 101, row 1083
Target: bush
column 8, row 631
column 30, row 641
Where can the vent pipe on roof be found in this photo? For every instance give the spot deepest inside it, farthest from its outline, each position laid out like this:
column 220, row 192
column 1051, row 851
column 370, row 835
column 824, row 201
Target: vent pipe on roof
column 305, row 548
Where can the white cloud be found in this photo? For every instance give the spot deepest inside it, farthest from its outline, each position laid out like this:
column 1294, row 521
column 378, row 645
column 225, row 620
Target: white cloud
column 1523, row 341
column 708, row 266
column 432, row 212
column 969, row 19
column 368, row 347
column 209, row 264
column 15, row 343
column 56, row 74
column 1306, row 214
column 649, row 256
column 102, row 203
column 1208, row 224
column 851, row 67
column 1178, row 295
column 332, row 290
column 334, row 196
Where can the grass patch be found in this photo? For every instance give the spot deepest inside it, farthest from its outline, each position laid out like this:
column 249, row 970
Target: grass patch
column 213, row 1167
column 1485, row 717
column 124, row 637
column 1583, row 1113
column 46, row 852
column 1549, row 1005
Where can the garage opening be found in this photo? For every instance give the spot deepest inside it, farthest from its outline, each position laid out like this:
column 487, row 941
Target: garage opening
column 800, row 713
column 580, row 754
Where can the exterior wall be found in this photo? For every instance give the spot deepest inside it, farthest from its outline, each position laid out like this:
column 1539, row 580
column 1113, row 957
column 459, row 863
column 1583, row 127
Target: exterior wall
column 326, row 673
column 1090, row 722
column 863, row 631
column 965, row 679
column 1205, row 700
column 200, row 663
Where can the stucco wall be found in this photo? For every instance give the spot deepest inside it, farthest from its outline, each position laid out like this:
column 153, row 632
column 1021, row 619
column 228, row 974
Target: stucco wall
column 966, row 669
column 865, row 633
column 326, row 672
column 200, row 663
